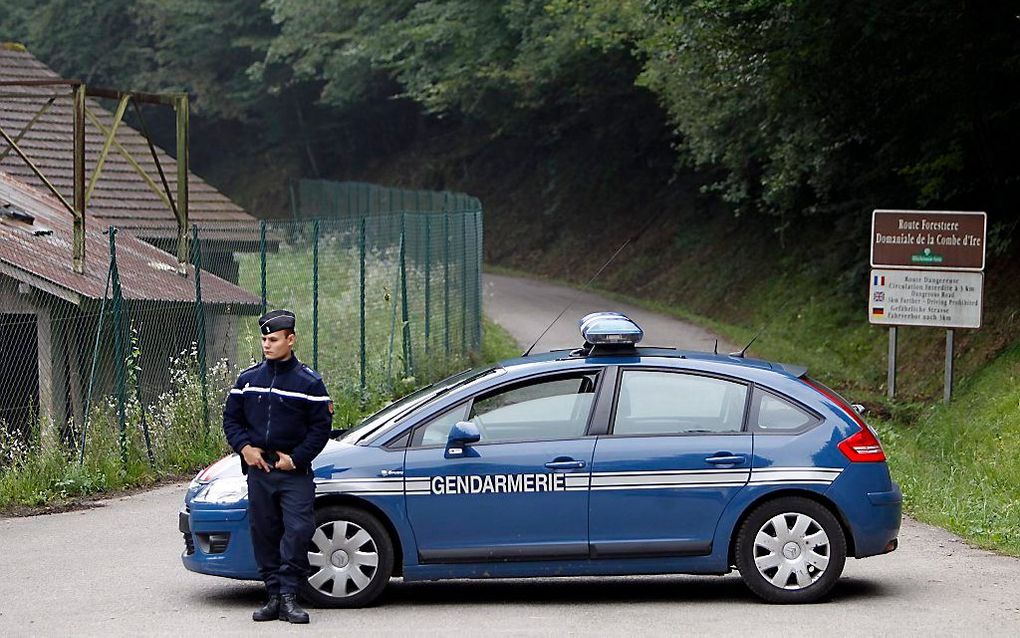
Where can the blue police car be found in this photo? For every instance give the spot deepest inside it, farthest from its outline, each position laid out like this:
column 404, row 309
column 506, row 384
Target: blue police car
column 605, row 460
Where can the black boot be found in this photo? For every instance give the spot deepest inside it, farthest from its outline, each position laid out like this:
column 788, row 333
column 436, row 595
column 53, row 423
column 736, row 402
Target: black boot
column 290, row 611
column 269, row 611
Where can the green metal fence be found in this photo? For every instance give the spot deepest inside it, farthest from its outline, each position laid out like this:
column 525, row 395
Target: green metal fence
column 385, row 298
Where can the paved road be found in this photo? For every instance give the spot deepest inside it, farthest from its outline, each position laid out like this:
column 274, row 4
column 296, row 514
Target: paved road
column 526, row 306
column 115, row 570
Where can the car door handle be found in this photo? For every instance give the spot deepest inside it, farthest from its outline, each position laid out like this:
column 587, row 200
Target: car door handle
column 565, row 464
column 726, row 459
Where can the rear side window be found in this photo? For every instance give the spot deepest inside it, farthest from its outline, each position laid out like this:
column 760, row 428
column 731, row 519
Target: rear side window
column 772, row 413
column 655, row 402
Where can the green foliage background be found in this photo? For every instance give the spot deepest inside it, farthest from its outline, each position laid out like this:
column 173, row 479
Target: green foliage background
column 790, row 108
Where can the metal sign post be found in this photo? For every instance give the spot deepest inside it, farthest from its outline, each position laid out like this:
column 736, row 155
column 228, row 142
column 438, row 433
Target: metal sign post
column 890, row 380
column 948, row 393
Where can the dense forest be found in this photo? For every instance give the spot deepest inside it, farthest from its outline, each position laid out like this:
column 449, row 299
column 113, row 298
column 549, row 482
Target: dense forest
column 784, row 108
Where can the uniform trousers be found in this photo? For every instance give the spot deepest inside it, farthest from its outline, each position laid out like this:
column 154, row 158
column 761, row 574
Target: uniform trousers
column 282, row 516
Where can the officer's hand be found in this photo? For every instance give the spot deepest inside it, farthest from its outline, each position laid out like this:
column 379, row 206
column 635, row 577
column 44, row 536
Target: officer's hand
column 285, row 462
column 253, row 457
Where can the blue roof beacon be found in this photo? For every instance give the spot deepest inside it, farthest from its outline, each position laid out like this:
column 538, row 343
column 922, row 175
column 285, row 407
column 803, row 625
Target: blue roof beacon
column 609, row 328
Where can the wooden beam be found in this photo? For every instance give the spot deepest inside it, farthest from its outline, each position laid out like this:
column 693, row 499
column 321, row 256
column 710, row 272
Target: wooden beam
column 117, row 117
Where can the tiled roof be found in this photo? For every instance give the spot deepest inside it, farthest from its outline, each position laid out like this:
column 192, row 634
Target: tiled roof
column 44, row 260
column 121, row 198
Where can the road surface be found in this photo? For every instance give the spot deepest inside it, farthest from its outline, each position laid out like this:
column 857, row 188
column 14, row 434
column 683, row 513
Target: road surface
column 115, row 570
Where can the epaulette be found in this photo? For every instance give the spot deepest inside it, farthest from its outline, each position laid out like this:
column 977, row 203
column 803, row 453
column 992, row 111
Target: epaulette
column 312, row 373
column 251, row 367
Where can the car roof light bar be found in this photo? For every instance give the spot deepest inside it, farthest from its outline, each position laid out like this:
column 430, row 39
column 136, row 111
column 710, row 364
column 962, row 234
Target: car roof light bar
column 609, row 328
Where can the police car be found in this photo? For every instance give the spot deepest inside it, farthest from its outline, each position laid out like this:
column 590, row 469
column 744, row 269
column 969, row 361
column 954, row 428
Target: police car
column 608, row 459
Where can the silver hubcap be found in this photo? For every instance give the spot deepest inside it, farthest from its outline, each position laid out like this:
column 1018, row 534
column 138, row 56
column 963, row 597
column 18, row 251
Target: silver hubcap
column 343, row 557
column 791, row 551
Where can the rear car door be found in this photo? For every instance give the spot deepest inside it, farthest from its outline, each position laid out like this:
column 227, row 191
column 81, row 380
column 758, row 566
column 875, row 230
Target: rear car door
column 520, row 492
column 675, row 455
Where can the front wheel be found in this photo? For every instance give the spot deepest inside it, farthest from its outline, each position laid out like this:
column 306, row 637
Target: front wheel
column 791, row 550
column 351, row 558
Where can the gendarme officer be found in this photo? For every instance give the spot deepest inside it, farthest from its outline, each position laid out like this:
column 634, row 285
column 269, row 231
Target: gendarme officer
column 278, row 418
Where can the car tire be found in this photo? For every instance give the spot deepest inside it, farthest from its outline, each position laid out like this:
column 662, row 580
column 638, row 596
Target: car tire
column 351, row 558
column 790, row 550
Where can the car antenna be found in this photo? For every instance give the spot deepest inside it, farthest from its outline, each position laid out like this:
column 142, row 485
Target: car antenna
column 632, row 238
column 743, row 351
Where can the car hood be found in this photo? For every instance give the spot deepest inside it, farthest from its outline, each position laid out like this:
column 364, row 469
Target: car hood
column 227, row 470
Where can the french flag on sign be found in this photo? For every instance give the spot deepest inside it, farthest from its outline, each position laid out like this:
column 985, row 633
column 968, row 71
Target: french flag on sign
column 879, row 280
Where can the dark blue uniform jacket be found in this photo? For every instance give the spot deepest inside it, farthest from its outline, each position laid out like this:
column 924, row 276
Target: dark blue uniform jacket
column 279, row 406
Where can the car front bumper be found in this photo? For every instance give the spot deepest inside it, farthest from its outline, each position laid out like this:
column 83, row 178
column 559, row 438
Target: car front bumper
column 217, row 541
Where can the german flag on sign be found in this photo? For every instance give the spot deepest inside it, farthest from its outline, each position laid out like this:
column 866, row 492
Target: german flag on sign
column 878, row 310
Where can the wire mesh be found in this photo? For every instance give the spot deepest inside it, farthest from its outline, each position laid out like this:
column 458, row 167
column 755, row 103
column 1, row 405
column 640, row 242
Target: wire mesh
column 386, row 298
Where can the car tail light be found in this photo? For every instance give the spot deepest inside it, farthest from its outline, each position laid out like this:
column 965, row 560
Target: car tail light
column 861, row 446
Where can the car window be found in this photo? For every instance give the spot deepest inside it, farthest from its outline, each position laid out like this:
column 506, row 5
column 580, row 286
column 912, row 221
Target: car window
column 555, row 408
column 389, row 415
column 437, row 430
column 774, row 414
column 655, row 402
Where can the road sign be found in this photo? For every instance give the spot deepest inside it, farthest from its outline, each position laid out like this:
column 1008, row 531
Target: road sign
column 928, row 239
column 934, row 298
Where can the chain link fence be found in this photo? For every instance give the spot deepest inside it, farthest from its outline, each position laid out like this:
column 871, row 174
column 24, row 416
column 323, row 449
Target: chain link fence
column 132, row 370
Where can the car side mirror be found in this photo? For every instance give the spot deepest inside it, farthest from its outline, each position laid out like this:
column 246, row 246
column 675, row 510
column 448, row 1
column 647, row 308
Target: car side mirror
column 461, row 434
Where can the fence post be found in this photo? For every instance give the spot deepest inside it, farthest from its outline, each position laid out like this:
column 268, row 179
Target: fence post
column 361, row 293
column 446, row 282
column 92, row 373
column 404, row 315
column 393, row 322
column 196, row 247
column 315, row 297
column 428, row 280
column 118, row 348
column 463, row 283
column 262, row 261
column 293, row 200
column 145, row 423
column 479, row 237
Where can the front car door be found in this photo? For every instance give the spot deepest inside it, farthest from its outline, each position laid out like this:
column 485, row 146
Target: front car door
column 521, row 491
column 675, row 455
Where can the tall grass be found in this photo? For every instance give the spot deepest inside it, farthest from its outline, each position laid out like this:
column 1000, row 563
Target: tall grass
column 958, row 464
column 39, row 470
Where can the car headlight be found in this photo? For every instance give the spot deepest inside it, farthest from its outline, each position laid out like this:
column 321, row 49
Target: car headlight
column 229, row 489
column 197, row 481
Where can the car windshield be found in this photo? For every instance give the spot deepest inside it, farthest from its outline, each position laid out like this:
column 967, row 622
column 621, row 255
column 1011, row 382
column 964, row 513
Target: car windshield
column 402, row 406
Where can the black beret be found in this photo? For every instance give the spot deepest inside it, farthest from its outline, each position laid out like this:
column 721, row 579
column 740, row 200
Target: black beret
column 276, row 320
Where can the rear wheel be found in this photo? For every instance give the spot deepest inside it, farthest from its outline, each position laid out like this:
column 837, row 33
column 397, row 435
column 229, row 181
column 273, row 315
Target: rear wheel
column 351, row 558
column 791, row 550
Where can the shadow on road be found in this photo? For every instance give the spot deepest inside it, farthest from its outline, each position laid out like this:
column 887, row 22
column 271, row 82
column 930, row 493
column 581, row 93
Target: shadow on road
column 651, row 589
column 669, row 589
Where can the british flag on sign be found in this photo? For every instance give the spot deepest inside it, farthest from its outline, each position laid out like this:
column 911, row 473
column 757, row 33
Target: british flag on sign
column 879, row 296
